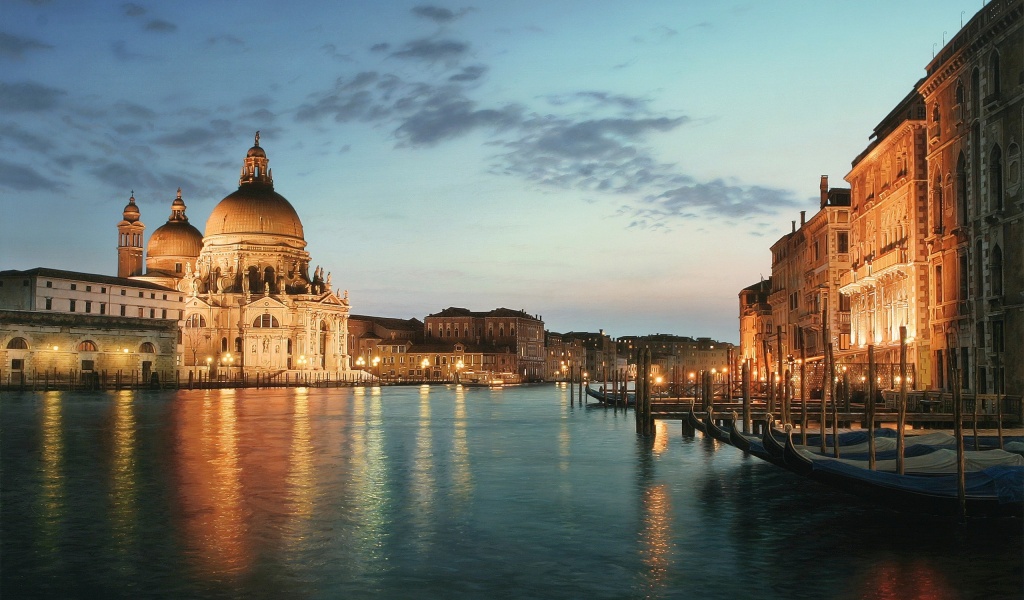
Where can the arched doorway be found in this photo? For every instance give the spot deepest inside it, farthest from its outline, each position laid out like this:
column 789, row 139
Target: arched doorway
column 324, row 330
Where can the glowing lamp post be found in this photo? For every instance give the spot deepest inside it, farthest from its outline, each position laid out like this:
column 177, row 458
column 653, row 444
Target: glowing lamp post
column 376, row 366
column 425, row 364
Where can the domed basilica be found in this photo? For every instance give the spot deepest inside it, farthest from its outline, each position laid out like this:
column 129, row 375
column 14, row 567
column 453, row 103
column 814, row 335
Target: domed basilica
column 250, row 301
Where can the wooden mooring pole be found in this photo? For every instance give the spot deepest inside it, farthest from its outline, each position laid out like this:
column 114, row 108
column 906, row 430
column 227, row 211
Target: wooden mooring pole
column 869, row 406
column 745, row 377
column 901, row 417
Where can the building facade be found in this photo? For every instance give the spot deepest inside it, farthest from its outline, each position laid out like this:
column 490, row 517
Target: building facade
column 886, row 286
column 974, row 98
column 498, row 332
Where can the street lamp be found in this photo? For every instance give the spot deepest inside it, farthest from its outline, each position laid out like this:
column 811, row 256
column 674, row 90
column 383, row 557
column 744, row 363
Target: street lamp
column 424, row 365
column 376, row 365
column 458, row 367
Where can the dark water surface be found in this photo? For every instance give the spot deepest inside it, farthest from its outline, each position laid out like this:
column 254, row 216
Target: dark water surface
column 437, row 493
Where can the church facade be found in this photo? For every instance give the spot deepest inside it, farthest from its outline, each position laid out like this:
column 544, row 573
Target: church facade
column 251, row 304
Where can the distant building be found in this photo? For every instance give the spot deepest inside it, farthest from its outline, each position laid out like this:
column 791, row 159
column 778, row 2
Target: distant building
column 498, row 332
column 756, row 330
column 566, row 358
column 806, row 266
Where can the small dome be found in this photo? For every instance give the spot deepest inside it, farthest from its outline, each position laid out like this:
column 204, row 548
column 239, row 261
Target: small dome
column 256, row 151
column 131, row 211
column 175, row 238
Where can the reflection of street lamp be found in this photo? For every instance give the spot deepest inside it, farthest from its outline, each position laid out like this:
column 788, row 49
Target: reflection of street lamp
column 425, row 364
column 376, row 365
column 302, row 362
column 226, row 361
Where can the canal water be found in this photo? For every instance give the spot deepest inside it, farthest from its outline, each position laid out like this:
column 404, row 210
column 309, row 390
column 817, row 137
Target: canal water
column 437, row 492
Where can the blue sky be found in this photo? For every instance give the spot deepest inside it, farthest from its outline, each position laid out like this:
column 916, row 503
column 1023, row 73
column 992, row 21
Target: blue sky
column 605, row 164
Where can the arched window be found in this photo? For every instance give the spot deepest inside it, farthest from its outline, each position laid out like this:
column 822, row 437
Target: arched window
column 959, row 93
column 979, row 279
column 935, row 113
column 961, row 188
column 254, row 279
column 17, row 343
column 87, row 346
column 268, row 276
column 147, row 348
column 238, row 344
column 266, row 320
column 995, row 174
column 937, row 204
column 997, row 271
column 223, row 344
column 195, row 320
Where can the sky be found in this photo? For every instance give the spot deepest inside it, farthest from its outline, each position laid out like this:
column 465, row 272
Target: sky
column 616, row 165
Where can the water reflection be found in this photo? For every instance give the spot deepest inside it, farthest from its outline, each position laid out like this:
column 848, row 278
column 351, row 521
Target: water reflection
column 210, row 490
column 655, row 544
column 124, row 512
column 51, row 490
column 423, row 485
column 301, row 479
column 462, row 475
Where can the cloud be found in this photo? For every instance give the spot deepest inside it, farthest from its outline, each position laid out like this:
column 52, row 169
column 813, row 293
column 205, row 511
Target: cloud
column 601, row 99
column 194, row 137
column 437, row 13
column 24, row 179
column 224, row 38
column 161, row 26
column 28, row 97
column 133, row 10
column 381, row 47
column 121, row 52
column 432, row 50
column 716, row 197
column 449, row 115
column 135, row 111
column 470, row 73
column 24, row 139
column 15, row 47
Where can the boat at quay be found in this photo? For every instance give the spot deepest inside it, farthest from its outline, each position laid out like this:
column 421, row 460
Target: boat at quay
column 436, row 491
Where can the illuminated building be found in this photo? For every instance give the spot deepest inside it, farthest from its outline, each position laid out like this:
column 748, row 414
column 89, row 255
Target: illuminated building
column 251, row 303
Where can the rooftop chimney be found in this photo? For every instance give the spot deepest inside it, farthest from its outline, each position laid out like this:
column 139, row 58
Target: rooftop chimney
column 824, row 190
column 794, row 226
column 803, row 217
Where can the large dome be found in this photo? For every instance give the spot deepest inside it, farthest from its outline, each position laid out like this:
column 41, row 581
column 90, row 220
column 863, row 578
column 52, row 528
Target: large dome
column 255, row 208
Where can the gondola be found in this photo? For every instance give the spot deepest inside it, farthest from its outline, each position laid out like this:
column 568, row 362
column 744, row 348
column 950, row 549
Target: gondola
column 713, row 430
column 990, row 492
column 694, row 422
column 610, row 399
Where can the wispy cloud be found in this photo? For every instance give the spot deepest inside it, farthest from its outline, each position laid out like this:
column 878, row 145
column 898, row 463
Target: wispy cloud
column 133, row 10
column 438, row 14
column 15, row 47
column 161, row 26
column 28, row 96
column 23, row 178
column 432, row 50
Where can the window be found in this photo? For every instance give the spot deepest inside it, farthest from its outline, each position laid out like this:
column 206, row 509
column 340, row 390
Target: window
column 74, row 286
column 88, row 288
column 997, row 271
column 962, row 277
column 938, row 284
column 993, row 67
column 87, row 346
column 71, row 305
column 122, row 310
column 49, row 304
column 147, row 348
column 17, row 364
column 49, row 284
column 265, row 320
column 88, row 306
column 17, row 343
column 142, row 312
column 140, row 295
column 177, row 267
column 843, row 242
column 103, row 290
column 123, row 292
column 165, row 296
column 103, row 308
column 195, row 321
column 152, row 296
column 995, row 173
column 997, row 336
column 163, row 313
column 88, row 365
column 152, row 313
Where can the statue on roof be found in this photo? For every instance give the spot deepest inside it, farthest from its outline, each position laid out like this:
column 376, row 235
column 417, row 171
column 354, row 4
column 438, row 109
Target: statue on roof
column 257, row 137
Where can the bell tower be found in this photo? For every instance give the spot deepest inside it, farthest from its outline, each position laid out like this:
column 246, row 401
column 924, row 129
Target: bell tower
column 129, row 241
